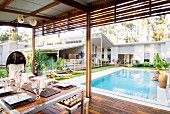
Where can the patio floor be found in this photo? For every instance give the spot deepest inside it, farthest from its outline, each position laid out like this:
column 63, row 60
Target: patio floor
column 106, row 105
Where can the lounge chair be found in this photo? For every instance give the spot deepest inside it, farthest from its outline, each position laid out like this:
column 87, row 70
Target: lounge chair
column 54, row 74
column 75, row 71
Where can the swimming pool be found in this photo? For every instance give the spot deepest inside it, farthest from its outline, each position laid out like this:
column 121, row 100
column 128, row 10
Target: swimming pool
column 129, row 82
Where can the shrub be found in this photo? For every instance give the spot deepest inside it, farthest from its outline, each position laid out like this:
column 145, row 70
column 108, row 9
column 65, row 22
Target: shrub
column 139, row 65
column 134, row 64
column 3, row 74
column 146, row 64
column 59, row 64
column 40, row 61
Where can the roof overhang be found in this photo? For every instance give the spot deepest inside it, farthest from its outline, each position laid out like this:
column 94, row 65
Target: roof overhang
column 100, row 40
column 54, row 49
column 55, row 16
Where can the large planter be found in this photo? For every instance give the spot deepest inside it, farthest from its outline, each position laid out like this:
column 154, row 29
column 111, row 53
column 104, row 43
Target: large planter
column 39, row 74
column 163, row 81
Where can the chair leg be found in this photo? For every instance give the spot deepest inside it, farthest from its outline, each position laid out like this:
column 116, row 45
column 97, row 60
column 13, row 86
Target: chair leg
column 87, row 107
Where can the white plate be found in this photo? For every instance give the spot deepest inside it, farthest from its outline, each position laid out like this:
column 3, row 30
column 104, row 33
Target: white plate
column 16, row 98
column 5, row 90
column 64, row 84
column 1, row 85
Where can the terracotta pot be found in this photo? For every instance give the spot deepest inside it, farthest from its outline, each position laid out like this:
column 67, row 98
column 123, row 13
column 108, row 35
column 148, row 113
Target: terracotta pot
column 39, row 74
column 163, row 81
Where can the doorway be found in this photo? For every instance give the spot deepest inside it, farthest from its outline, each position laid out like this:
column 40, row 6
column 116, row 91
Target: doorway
column 125, row 59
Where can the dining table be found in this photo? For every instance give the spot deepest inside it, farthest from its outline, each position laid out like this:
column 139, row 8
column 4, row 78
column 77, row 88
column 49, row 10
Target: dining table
column 42, row 103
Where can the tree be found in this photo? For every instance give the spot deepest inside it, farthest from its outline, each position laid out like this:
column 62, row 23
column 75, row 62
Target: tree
column 40, row 61
column 4, row 37
column 159, row 28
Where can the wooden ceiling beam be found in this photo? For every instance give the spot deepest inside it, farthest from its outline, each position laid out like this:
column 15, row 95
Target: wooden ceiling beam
column 6, row 3
column 25, row 13
column 74, row 4
column 15, row 24
column 41, row 9
column 61, row 17
column 46, row 7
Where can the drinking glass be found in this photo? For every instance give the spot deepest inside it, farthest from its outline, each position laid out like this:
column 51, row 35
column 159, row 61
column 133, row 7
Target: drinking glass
column 18, row 83
column 36, row 88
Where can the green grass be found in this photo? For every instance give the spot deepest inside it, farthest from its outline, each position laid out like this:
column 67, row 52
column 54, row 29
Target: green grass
column 77, row 74
column 147, row 68
column 100, row 69
column 3, row 73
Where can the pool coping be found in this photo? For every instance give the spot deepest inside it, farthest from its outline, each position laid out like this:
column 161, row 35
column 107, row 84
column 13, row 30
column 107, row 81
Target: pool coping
column 161, row 105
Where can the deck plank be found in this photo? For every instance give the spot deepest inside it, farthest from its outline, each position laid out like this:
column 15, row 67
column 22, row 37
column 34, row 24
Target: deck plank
column 100, row 104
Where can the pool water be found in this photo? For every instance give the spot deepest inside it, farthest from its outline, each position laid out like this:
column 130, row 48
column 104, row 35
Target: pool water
column 130, row 82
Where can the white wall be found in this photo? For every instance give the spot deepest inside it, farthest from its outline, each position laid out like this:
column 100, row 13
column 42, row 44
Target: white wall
column 5, row 53
column 167, row 52
column 7, row 48
column 114, row 54
column 99, row 55
column 152, row 56
column 163, row 51
column 139, row 53
column 105, row 54
column 126, row 49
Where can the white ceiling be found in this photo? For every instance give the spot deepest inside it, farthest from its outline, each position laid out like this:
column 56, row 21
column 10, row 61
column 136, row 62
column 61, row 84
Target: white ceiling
column 30, row 6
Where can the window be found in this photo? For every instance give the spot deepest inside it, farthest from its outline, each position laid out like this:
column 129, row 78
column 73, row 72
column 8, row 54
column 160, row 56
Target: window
column 146, row 56
column 75, row 41
column 109, row 49
column 49, row 43
column 58, row 43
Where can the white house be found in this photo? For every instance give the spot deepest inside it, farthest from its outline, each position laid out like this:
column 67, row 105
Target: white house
column 8, row 47
column 141, row 51
column 103, row 50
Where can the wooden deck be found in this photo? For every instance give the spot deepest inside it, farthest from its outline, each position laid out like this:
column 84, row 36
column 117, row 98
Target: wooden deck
column 106, row 105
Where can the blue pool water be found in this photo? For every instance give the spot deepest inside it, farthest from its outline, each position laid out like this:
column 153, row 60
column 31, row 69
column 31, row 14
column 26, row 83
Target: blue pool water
column 130, row 82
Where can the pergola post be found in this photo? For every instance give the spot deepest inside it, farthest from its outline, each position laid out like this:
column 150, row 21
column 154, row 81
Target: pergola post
column 33, row 51
column 88, row 56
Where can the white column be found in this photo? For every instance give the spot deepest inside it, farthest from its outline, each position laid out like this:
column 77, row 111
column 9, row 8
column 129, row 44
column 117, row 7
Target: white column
column 167, row 51
column 94, row 49
column 151, row 53
column 58, row 54
column 105, row 54
column 114, row 54
column 101, row 52
column 163, row 50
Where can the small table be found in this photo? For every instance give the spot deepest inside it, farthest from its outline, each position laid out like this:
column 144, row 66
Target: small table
column 45, row 102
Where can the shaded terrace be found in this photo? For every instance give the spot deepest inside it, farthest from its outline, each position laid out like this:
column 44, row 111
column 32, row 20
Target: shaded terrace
column 57, row 16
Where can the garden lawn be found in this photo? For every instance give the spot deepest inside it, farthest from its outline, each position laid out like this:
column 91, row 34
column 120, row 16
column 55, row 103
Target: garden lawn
column 77, row 74
column 3, row 73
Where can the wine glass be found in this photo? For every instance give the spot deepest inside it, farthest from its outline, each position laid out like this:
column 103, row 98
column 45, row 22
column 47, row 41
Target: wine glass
column 18, row 83
column 36, row 89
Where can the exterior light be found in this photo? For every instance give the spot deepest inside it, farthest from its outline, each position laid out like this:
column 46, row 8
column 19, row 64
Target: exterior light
column 33, row 22
column 20, row 19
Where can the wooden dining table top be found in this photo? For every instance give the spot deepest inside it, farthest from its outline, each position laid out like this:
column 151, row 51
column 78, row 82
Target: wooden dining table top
column 42, row 103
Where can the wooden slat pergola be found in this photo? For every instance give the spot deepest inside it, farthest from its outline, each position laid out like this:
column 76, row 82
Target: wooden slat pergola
column 77, row 14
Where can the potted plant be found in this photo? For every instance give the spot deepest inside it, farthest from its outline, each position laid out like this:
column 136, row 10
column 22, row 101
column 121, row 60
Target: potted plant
column 161, row 65
column 40, row 60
